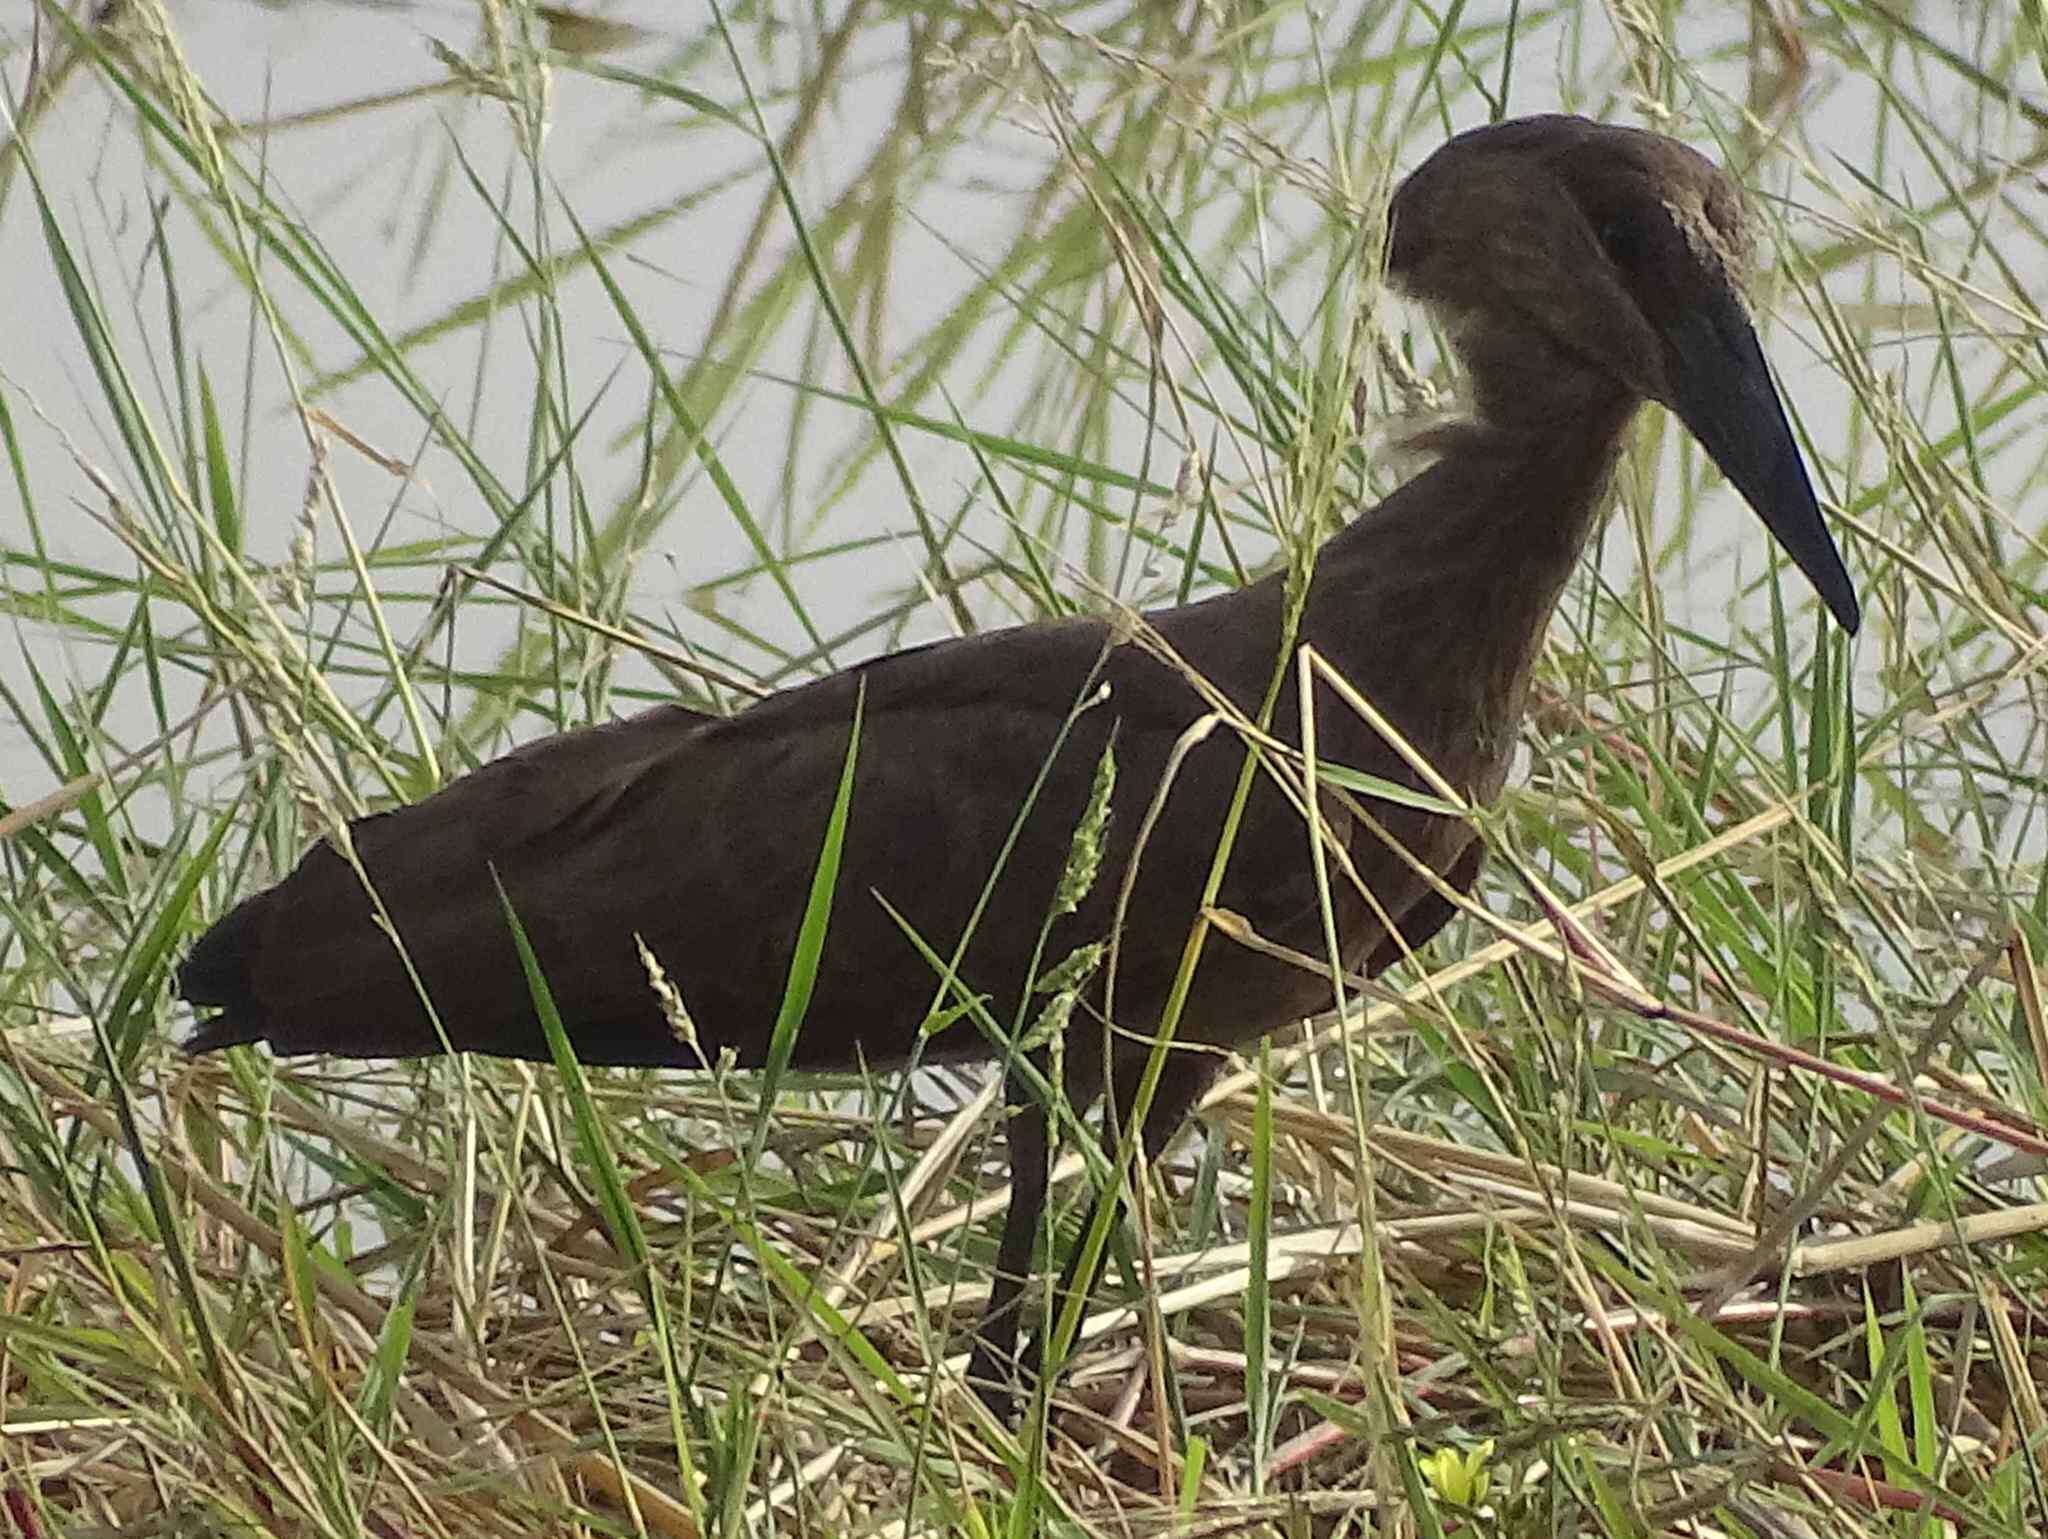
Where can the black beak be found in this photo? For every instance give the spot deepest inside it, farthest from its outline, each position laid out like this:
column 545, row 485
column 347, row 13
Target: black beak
column 1722, row 390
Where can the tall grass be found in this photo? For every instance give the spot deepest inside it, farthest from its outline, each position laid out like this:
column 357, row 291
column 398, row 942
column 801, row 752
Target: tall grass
column 1028, row 308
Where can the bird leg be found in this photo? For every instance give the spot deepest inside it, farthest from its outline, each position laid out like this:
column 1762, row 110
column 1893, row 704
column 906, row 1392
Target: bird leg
column 1182, row 1080
column 992, row 1370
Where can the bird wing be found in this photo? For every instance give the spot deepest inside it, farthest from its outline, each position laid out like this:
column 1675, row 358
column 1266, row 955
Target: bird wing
column 698, row 837
column 1419, row 924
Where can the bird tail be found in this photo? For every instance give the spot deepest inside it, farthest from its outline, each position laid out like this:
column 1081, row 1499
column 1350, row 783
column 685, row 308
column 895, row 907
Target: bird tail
column 216, row 973
column 303, row 968
column 311, row 965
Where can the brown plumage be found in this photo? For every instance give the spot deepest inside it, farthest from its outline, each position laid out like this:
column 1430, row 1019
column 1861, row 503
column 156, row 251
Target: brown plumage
column 1580, row 269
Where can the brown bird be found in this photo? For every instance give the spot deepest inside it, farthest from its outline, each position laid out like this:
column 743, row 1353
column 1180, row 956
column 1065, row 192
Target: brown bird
column 1580, row 271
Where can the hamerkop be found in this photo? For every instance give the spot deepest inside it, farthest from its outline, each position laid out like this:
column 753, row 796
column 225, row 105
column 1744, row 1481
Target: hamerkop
column 1580, row 270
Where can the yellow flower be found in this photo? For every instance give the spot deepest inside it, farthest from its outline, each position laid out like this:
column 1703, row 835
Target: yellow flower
column 1459, row 1478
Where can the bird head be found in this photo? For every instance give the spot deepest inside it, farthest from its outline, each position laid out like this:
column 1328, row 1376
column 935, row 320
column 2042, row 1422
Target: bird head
column 1571, row 258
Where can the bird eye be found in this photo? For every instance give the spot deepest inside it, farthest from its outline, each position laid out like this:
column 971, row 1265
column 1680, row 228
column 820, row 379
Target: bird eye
column 1621, row 240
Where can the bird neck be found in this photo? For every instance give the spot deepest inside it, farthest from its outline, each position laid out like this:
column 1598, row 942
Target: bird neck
column 1436, row 601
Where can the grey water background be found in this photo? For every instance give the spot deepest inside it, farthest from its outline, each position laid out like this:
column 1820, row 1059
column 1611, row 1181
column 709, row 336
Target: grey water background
column 347, row 110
